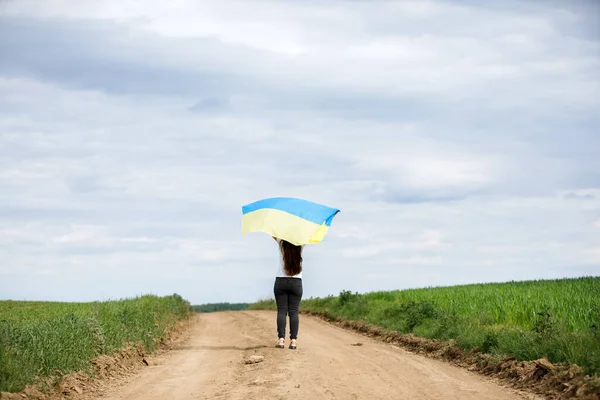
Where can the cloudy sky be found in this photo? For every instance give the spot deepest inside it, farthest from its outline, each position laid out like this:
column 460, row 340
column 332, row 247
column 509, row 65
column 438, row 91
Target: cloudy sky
column 460, row 140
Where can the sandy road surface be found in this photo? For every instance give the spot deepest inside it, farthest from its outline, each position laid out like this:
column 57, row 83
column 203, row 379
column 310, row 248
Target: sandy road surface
column 325, row 366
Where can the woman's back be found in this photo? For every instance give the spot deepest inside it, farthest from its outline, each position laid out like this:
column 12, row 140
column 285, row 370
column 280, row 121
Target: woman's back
column 288, row 290
column 290, row 259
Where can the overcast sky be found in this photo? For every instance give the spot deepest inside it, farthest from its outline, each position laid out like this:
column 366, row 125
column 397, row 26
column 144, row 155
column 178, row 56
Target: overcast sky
column 461, row 140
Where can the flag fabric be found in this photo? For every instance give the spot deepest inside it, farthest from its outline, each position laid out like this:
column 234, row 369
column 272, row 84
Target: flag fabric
column 295, row 220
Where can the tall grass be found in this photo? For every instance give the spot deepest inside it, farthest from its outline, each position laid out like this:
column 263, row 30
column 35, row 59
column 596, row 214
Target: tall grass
column 39, row 338
column 558, row 319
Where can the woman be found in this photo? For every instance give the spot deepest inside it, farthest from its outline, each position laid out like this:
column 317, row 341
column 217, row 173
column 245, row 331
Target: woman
column 288, row 290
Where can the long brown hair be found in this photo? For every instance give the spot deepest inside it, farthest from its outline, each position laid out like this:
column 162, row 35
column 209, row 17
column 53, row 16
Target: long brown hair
column 292, row 257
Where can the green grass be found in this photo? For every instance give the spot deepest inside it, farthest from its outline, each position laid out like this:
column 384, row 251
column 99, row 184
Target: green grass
column 38, row 338
column 558, row 319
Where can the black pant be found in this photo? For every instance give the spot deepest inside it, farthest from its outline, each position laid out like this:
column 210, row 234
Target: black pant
column 288, row 293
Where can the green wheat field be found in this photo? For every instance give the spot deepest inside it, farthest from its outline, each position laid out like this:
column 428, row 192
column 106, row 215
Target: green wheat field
column 558, row 319
column 38, row 338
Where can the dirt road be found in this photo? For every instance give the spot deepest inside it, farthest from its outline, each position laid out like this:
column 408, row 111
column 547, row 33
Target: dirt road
column 327, row 365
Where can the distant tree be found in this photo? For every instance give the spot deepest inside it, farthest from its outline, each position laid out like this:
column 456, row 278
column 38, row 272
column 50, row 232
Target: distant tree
column 213, row 307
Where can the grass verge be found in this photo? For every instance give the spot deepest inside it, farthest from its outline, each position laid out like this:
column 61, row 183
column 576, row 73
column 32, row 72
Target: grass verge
column 556, row 319
column 39, row 340
column 540, row 336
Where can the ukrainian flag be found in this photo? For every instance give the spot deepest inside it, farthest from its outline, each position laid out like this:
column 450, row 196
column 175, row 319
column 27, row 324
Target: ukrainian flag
column 295, row 220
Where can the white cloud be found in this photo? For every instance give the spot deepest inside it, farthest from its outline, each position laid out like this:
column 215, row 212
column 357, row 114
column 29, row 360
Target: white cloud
column 413, row 261
column 433, row 171
column 592, row 255
column 458, row 152
column 356, row 47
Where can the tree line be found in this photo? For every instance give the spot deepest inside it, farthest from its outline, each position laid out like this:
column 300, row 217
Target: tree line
column 212, row 307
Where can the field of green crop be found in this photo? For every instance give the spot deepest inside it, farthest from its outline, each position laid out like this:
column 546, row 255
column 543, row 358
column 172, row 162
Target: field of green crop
column 558, row 319
column 38, row 338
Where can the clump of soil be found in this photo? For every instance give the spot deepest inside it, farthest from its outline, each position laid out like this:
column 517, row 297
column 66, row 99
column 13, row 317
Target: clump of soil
column 104, row 368
column 554, row 381
column 254, row 359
